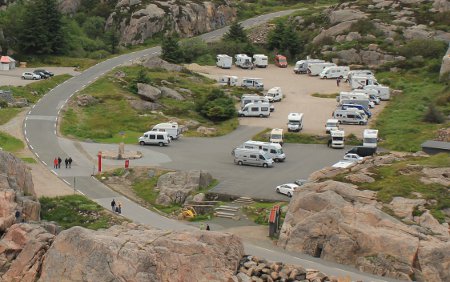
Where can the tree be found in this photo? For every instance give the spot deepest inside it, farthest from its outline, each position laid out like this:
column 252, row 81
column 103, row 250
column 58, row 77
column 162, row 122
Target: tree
column 11, row 26
column 94, row 27
column 112, row 39
column 171, row 51
column 285, row 39
column 236, row 33
column 216, row 106
column 275, row 37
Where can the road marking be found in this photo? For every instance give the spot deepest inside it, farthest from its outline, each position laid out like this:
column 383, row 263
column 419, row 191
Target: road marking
column 54, row 172
column 28, row 141
column 44, row 163
column 59, row 111
column 31, row 147
column 89, row 82
column 29, row 112
column 33, row 106
column 66, row 100
column 25, row 131
column 26, row 118
column 67, row 182
column 54, row 132
column 81, row 193
column 49, row 118
column 36, row 155
column 25, row 125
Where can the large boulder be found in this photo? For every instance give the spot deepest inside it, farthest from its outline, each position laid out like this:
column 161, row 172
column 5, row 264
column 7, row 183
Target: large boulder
column 403, row 207
column 441, row 6
column 340, row 28
column 170, row 93
column 156, row 62
column 175, row 187
column 138, row 253
column 148, row 92
column 345, row 15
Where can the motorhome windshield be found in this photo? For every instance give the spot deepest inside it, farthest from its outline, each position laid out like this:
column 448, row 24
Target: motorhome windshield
column 282, row 60
column 276, row 136
column 331, row 124
column 294, row 122
column 338, row 138
column 370, row 140
column 280, row 151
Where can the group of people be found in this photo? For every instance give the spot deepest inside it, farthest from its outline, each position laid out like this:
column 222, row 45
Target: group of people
column 57, row 162
column 116, row 207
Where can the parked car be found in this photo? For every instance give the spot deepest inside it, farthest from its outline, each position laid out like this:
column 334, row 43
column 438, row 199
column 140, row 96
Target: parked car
column 49, row 73
column 301, row 182
column 30, row 75
column 353, row 157
column 287, row 189
column 41, row 74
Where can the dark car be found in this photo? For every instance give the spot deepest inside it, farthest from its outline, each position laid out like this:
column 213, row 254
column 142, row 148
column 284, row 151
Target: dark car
column 363, row 151
column 42, row 74
column 48, row 73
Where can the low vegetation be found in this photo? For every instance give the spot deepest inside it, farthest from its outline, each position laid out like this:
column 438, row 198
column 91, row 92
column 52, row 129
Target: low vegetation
column 77, row 210
column 328, row 96
column 260, row 212
column 6, row 114
column 10, row 143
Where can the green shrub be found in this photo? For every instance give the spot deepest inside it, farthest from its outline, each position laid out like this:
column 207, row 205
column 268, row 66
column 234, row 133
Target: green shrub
column 423, row 47
column 216, row 106
column 433, row 115
column 3, row 103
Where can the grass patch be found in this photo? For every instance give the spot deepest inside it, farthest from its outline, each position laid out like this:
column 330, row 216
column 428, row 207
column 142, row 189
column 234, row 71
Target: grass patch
column 76, row 210
column 7, row 114
column 260, row 212
column 10, row 143
column 29, row 160
column 62, row 61
column 327, row 96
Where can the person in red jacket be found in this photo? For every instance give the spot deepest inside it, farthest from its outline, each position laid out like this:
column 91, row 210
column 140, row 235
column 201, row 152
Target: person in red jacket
column 55, row 163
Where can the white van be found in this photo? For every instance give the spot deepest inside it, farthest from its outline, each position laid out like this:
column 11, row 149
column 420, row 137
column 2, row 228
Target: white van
column 171, row 128
column 255, row 110
column 273, row 150
column 224, row 61
column 274, row 94
column 260, row 60
column 295, row 122
column 337, row 139
column 316, row 69
column 229, row 80
column 244, row 156
column 255, row 98
column 276, row 136
column 334, row 72
column 252, row 83
column 154, row 138
column 243, row 61
column 331, row 124
column 302, row 65
column 350, row 116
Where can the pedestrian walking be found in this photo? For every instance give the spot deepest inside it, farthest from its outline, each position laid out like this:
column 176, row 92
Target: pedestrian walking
column 338, row 81
column 119, row 206
column 59, row 162
column 113, row 205
column 70, row 162
column 17, row 215
column 55, row 163
column 66, row 161
column 207, row 227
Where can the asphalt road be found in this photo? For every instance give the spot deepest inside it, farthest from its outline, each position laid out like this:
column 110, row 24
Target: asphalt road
column 40, row 133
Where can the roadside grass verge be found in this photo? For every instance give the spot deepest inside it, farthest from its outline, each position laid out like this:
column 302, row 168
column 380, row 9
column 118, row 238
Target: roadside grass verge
column 302, row 138
column 259, row 212
column 6, row 114
column 10, row 143
column 401, row 122
column 77, row 210
column 328, row 96
column 29, row 160
column 104, row 121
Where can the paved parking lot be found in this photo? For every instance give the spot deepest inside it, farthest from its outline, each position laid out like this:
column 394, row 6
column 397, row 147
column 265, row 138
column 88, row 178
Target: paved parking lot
column 13, row 77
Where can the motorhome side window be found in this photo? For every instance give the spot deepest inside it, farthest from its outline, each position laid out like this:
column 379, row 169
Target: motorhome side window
column 146, row 135
column 272, row 151
column 264, row 109
column 254, row 109
column 261, row 157
column 253, row 156
column 248, row 147
column 160, row 137
column 351, row 116
column 152, row 136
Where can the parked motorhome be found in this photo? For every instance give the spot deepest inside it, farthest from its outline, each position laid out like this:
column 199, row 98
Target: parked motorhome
column 351, row 96
column 350, row 116
column 316, row 69
column 255, row 110
column 352, row 73
column 260, row 61
column 255, row 98
column 337, row 139
column 224, row 61
column 229, row 80
column 252, row 83
column 383, row 91
column 295, row 122
column 331, row 124
column 154, row 138
column 370, row 138
column 365, row 109
column 273, row 150
column 334, row 72
column 358, row 82
column 274, row 94
column 281, row 61
column 276, row 136
column 243, row 61
column 171, row 128
column 302, row 65
column 365, row 91
column 244, row 156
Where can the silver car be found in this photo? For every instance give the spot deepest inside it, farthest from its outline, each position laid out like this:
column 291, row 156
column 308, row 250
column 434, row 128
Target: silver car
column 30, row 75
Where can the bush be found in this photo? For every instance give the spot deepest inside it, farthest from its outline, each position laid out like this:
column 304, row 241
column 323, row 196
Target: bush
column 3, row 104
column 216, row 106
column 193, row 48
column 433, row 115
column 425, row 48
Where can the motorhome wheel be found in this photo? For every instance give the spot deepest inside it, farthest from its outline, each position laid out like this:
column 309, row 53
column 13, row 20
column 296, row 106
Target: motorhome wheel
column 289, row 194
column 260, row 115
column 142, row 143
column 265, row 165
column 239, row 162
column 161, row 144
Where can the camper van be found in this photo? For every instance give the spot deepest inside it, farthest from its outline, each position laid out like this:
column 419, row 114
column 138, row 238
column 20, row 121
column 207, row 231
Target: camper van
column 384, row 92
column 276, row 136
column 255, row 110
column 370, row 138
column 351, row 73
column 357, row 106
column 154, row 138
column 171, row 128
column 334, row 72
column 273, row 150
column 252, row 83
column 224, row 61
column 302, row 65
column 274, row 94
column 350, row 116
column 337, row 138
column 243, row 61
column 351, row 96
column 244, row 156
column 260, row 61
column 358, row 82
column 362, row 104
column 316, row 69
column 331, row 124
column 229, row 80
column 254, row 98
column 295, row 122
column 281, row 61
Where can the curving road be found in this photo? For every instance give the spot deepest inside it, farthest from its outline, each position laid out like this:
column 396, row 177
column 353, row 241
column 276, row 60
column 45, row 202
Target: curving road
column 40, row 131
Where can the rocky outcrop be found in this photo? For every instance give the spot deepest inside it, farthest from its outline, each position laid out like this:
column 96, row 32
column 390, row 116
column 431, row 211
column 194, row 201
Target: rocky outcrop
column 69, row 6
column 156, row 62
column 337, row 29
column 139, row 253
column 148, row 92
column 444, row 72
column 170, row 93
column 86, row 100
column 345, row 15
column 138, row 21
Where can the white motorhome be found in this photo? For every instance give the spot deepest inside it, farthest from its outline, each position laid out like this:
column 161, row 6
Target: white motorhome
column 255, row 110
column 352, row 73
column 255, row 98
column 274, row 94
column 295, row 122
column 351, row 95
column 337, row 138
column 273, row 150
column 316, row 69
column 358, row 82
column 384, row 93
column 302, row 65
column 252, row 83
column 154, row 138
column 331, row 124
column 334, row 72
column 244, row 156
column 229, row 80
column 366, row 91
column 370, row 138
column 350, row 116
column 224, row 61
column 260, row 60
column 171, row 128
column 276, row 136
column 243, row 61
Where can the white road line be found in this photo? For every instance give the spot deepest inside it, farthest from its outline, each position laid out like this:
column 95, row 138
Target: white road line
column 25, row 131
column 54, row 132
column 81, row 193
column 29, row 112
column 83, row 86
column 36, row 155
column 25, row 125
column 66, row 182
column 54, row 172
column 26, row 118
column 66, row 100
column 44, row 163
column 31, row 147
column 26, row 138
column 33, row 106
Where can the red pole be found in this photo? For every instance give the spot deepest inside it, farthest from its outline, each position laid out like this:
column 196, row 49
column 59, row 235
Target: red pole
column 99, row 161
